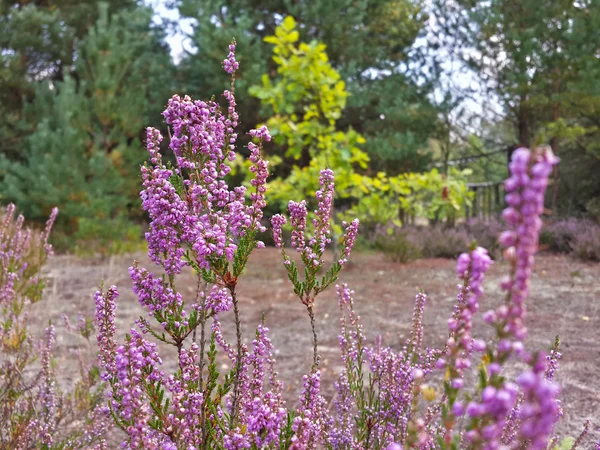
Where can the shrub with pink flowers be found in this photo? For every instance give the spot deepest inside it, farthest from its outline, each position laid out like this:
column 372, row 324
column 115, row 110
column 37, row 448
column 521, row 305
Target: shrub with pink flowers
column 384, row 397
column 35, row 413
column 579, row 237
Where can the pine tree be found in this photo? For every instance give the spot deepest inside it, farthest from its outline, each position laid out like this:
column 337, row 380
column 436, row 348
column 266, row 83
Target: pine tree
column 85, row 151
column 38, row 42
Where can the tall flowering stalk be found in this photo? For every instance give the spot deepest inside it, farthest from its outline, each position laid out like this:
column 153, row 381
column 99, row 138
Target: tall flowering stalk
column 488, row 416
column 498, row 413
column 197, row 221
column 312, row 249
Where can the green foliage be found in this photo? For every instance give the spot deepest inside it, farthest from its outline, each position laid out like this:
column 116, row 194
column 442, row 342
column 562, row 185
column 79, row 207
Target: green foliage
column 565, row 444
column 39, row 41
column 436, row 196
column 430, row 195
column 368, row 43
column 86, row 146
column 305, row 100
column 396, row 118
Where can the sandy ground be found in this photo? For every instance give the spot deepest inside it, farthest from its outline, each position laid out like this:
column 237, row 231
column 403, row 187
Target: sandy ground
column 565, row 300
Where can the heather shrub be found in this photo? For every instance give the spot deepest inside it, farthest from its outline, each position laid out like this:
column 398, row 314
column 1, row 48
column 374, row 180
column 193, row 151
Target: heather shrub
column 559, row 235
column 34, row 413
column 439, row 242
column 403, row 244
column 397, row 245
column 579, row 237
column 385, row 398
column 412, row 242
column 586, row 245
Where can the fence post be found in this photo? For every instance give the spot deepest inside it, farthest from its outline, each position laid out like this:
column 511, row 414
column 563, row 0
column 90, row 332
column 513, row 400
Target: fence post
column 487, row 200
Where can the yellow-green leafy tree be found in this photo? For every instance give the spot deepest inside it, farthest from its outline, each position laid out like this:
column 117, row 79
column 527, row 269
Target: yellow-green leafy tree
column 305, row 99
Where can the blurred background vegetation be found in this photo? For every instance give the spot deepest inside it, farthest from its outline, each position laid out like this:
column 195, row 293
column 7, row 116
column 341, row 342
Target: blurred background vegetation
column 416, row 104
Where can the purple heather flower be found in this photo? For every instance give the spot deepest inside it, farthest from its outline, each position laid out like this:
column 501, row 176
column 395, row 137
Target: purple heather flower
column 105, row 323
column 348, row 239
column 136, row 365
column 323, row 212
column 187, row 399
column 218, row 300
column 230, row 64
column 417, row 322
column 47, row 394
column 277, row 222
column 312, row 419
column 471, row 267
column 263, row 411
column 261, row 133
column 191, row 207
column 153, row 140
column 260, row 168
column 525, row 197
column 154, row 293
column 298, row 215
column 540, row 409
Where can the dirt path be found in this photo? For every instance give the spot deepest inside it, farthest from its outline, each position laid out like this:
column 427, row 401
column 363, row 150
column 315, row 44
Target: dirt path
column 565, row 300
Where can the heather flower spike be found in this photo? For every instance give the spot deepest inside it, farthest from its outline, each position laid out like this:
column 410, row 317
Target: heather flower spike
column 312, row 249
column 502, row 413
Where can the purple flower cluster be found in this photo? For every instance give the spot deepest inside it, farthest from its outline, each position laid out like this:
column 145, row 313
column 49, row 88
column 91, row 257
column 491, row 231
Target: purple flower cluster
column 136, row 365
column 298, row 215
column 154, row 293
column 312, row 419
column 525, row 199
column 277, row 223
column 416, row 342
column 321, row 237
column 191, row 206
column 185, row 418
column 16, row 243
column 348, row 239
column 47, row 395
column 502, row 411
column 260, row 168
column 230, row 64
column 105, row 324
column 197, row 220
column 471, row 268
column 312, row 253
column 552, row 362
column 265, row 412
column 540, row 409
column 341, row 434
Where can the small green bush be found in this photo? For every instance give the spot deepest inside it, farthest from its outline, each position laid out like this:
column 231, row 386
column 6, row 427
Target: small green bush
column 397, row 247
